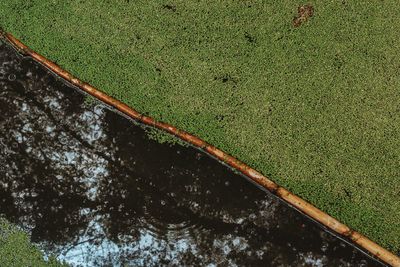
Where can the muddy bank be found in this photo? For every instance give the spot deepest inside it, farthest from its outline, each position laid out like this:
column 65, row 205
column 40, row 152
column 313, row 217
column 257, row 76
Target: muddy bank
column 92, row 188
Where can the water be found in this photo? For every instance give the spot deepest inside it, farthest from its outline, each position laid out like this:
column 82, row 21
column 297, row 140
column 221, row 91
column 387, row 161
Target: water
column 91, row 188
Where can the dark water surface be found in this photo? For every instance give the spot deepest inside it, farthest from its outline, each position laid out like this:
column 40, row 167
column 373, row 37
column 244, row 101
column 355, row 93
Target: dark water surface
column 91, row 188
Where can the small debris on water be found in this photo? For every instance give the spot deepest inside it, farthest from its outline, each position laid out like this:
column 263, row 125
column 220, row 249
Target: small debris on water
column 304, row 13
column 170, row 7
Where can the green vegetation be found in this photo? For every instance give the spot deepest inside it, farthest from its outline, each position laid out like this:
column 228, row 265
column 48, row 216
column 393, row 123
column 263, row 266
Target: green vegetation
column 163, row 137
column 16, row 250
column 316, row 108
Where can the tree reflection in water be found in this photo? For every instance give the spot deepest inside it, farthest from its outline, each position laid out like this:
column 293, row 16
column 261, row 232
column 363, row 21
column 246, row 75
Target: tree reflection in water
column 91, row 188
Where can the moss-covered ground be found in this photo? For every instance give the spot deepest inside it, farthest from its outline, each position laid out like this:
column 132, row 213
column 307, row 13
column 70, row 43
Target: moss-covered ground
column 315, row 107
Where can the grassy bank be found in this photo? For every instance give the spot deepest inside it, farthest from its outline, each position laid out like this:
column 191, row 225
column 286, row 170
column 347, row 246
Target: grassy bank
column 316, row 108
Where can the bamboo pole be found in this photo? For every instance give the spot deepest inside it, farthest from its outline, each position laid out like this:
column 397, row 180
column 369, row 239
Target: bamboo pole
column 297, row 202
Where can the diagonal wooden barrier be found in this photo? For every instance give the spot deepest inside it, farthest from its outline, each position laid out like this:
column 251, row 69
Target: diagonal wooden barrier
column 297, row 202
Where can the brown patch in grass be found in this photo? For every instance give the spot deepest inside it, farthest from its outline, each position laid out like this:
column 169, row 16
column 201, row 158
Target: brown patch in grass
column 304, row 12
